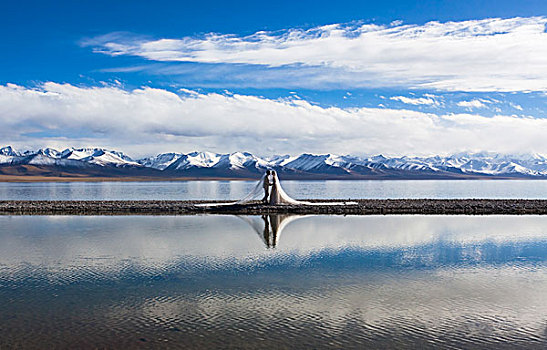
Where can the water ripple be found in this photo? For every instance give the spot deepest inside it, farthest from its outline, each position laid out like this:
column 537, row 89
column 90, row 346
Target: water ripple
column 209, row 282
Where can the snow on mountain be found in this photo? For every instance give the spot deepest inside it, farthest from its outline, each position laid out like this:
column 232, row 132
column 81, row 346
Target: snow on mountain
column 99, row 156
column 234, row 162
column 245, row 164
column 306, row 162
column 282, row 160
column 111, row 159
column 244, row 160
column 195, row 160
column 41, row 159
column 463, row 163
column 494, row 164
column 8, row 151
column 161, row 161
column 49, row 152
column 318, row 163
column 202, row 159
column 68, row 157
column 7, row 154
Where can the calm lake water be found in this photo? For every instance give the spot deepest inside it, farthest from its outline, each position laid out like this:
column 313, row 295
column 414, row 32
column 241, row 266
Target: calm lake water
column 273, row 282
column 224, row 190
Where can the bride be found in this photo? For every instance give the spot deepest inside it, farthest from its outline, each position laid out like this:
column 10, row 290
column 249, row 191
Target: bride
column 277, row 195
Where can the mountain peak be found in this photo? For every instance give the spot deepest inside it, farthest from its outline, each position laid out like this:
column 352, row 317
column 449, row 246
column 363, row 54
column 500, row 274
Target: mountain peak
column 8, row 151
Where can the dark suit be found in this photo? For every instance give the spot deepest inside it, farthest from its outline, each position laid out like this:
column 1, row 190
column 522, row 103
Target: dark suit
column 266, row 186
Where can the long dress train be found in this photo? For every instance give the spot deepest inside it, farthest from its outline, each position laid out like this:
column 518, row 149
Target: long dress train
column 279, row 196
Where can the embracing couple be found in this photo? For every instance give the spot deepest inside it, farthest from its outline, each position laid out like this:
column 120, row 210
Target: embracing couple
column 271, row 196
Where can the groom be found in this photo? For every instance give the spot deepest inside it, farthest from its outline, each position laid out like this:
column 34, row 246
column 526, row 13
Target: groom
column 266, row 185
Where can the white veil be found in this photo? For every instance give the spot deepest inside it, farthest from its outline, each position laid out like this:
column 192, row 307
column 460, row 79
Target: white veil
column 256, row 192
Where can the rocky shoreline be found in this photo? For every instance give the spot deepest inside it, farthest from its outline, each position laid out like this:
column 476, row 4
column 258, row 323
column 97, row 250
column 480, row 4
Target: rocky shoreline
column 359, row 207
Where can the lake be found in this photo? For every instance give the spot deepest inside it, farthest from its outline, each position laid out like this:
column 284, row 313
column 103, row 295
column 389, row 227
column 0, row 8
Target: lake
column 230, row 190
column 278, row 282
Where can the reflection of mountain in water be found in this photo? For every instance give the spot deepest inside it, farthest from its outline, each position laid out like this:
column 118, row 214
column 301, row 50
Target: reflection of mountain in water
column 269, row 227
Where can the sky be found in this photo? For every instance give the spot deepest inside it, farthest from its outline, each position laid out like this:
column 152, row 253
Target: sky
column 284, row 77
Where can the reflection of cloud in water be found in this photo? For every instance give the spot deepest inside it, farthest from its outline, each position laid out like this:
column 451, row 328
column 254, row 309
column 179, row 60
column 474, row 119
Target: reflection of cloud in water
column 469, row 305
column 371, row 282
column 152, row 245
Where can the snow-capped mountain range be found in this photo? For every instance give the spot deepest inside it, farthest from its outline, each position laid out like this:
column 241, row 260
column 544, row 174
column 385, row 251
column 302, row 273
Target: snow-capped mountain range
column 81, row 157
column 242, row 164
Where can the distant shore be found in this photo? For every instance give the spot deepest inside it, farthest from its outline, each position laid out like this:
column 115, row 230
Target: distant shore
column 71, row 178
column 28, row 179
column 361, row 207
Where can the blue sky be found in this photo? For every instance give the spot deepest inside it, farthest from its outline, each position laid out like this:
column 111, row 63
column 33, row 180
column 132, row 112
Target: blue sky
column 361, row 77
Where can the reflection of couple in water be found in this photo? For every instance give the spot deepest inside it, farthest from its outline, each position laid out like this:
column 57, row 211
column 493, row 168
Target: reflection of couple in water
column 269, row 234
column 269, row 227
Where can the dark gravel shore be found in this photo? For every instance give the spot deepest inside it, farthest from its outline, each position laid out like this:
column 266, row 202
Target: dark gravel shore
column 363, row 207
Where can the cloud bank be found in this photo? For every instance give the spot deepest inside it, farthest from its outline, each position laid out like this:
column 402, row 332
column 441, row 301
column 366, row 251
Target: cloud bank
column 476, row 55
column 145, row 121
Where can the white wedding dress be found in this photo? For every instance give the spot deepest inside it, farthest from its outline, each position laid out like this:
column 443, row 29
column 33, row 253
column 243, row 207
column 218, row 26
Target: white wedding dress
column 277, row 195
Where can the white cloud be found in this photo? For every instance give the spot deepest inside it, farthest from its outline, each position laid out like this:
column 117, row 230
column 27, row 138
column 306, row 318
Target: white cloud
column 147, row 120
column 188, row 91
column 471, row 104
column 476, row 55
column 516, row 106
column 428, row 100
